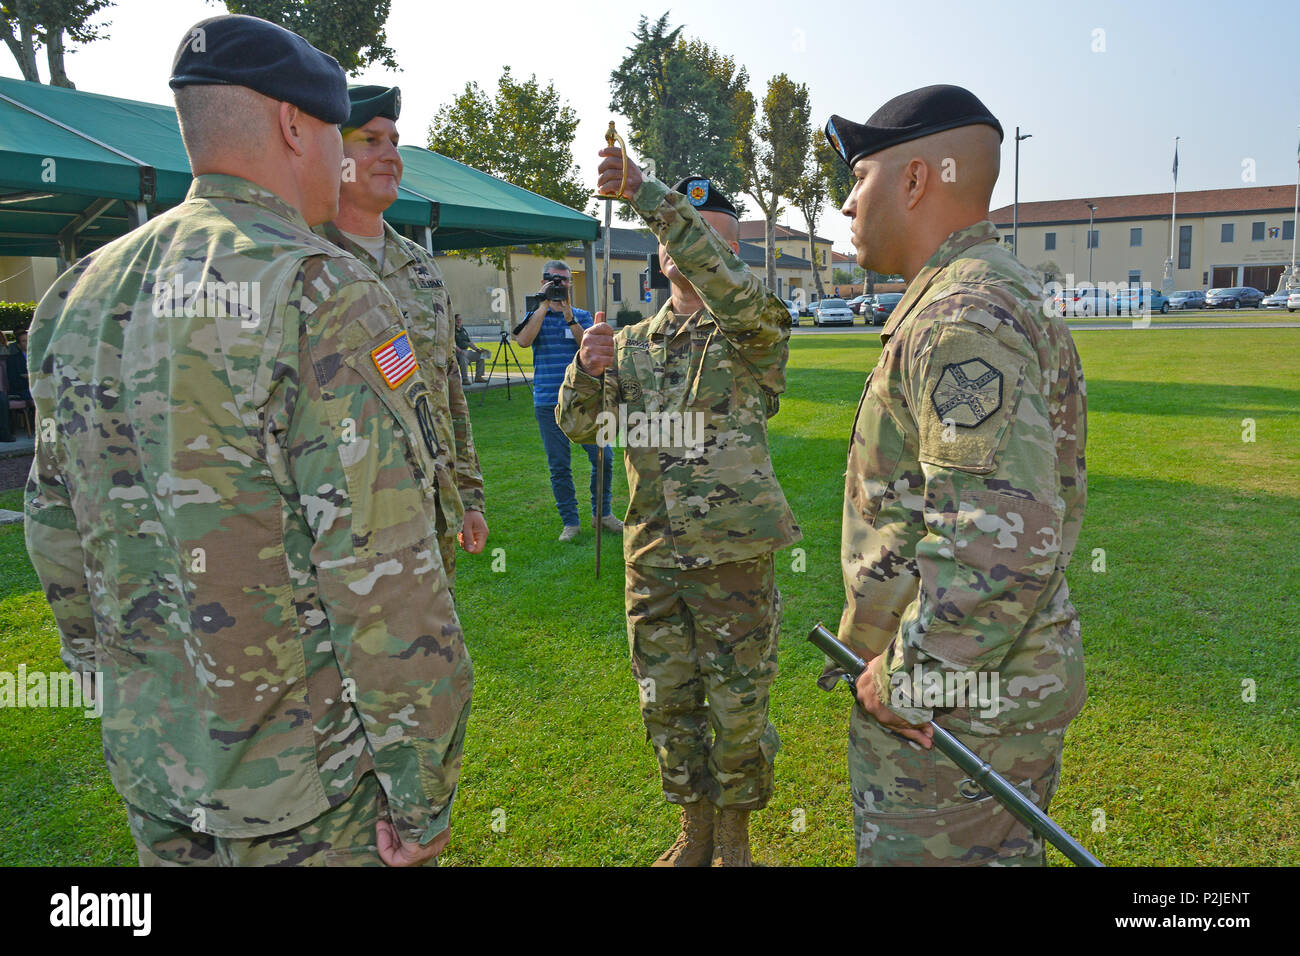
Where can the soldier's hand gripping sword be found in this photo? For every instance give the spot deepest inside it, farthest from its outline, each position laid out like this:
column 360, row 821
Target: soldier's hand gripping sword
column 1016, row 803
column 611, row 136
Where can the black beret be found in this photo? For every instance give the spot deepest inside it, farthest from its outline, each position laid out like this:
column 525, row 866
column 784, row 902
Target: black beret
column 371, row 101
column 703, row 195
column 238, row 50
column 931, row 109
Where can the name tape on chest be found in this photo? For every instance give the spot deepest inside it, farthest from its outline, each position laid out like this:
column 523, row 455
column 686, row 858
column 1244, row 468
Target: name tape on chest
column 395, row 360
column 422, row 278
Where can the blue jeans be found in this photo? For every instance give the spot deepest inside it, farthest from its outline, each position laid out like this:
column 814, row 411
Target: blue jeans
column 558, row 457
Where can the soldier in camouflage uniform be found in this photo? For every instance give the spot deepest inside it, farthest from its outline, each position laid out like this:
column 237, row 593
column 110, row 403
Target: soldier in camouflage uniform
column 706, row 511
column 231, row 510
column 410, row 273
column 963, row 498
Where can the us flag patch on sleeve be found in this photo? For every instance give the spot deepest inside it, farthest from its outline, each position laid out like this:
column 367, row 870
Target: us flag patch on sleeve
column 395, row 360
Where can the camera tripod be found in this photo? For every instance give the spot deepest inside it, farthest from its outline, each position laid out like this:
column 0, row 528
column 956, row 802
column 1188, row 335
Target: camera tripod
column 504, row 349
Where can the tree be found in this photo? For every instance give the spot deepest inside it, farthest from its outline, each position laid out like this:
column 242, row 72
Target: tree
column 773, row 153
column 351, row 31
column 27, row 25
column 485, row 132
column 811, row 192
column 681, row 99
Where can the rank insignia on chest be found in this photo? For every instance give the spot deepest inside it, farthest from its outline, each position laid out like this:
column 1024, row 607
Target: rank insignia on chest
column 968, row 393
column 425, row 280
column 395, row 360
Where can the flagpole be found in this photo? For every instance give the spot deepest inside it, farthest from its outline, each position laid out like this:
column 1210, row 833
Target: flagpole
column 1295, row 220
column 1173, row 227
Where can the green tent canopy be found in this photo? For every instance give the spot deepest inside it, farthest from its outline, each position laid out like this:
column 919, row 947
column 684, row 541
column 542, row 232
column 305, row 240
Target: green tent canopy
column 79, row 169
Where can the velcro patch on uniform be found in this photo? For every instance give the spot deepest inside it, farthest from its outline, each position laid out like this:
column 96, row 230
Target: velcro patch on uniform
column 630, row 389
column 420, row 399
column 425, row 279
column 970, row 391
column 395, row 359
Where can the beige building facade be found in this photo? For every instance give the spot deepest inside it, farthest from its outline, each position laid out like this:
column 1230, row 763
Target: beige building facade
column 479, row 291
column 793, row 244
column 1225, row 237
column 24, row 279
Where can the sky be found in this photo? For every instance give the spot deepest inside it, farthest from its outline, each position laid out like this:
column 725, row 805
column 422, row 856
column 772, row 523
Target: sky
column 1103, row 88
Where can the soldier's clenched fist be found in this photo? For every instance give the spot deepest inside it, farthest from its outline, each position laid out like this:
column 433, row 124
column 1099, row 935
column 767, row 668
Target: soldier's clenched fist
column 597, row 352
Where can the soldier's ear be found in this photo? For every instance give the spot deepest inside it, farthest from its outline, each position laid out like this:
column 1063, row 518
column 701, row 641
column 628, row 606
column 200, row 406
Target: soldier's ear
column 735, row 246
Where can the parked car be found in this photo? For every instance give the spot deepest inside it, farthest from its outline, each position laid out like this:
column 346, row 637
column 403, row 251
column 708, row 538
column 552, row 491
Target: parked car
column 794, row 312
column 1139, row 301
column 855, row 303
column 1083, row 302
column 1277, row 300
column 1236, row 297
column 1293, row 301
column 882, row 307
column 807, row 308
column 832, row 312
column 1187, row 299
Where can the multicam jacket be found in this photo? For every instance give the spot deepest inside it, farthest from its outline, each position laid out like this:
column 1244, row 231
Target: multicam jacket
column 411, row 274
column 232, row 519
column 965, row 491
column 695, row 393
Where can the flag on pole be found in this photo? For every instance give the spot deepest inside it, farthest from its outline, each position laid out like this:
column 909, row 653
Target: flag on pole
column 1176, row 161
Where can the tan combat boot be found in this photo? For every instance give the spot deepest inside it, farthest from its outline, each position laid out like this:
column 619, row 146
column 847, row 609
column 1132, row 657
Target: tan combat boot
column 694, row 846
column 732, row 838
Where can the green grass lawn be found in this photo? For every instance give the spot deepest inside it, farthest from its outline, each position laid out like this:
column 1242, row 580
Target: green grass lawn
column 1199, row 595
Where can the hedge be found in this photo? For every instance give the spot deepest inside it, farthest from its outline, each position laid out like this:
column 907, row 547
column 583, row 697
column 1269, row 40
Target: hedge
column 16, row 316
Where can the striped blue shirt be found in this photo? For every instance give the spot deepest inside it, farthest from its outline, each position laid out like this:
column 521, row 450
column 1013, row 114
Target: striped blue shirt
column 553, row 350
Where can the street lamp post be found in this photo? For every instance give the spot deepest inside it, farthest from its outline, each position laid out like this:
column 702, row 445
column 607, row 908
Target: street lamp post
column 1091, row 212
column 1015, row 204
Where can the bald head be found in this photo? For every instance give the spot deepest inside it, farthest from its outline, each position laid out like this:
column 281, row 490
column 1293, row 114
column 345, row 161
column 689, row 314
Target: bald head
column 724, row 225
column 962, row 166
column 909, row 198
column 225, row 125
column 236, row 131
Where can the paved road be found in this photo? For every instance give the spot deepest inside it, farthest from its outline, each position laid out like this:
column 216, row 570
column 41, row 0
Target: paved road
column 1086, row 327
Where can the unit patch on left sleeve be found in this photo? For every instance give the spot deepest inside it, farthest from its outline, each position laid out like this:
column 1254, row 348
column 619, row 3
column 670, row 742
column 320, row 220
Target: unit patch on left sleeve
column 968, row 388
column 968, row 392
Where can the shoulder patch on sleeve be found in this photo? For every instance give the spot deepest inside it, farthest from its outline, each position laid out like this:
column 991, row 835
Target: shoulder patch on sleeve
column 970, row 392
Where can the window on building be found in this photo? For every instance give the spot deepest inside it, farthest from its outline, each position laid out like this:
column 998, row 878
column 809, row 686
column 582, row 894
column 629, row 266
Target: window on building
column 617, row 293
column 1225, row 232
column 1135, row 237
column 1134, row 277
column 1049, row 241
column 1094, row 237
column 1184, row 247
column 1256, row 232
column 1288, row 228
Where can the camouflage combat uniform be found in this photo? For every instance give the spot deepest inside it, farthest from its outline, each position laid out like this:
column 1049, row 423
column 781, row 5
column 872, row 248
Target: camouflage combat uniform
column 411, row 274
column 703, row 611
column 963, row 501
column 232, row 518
